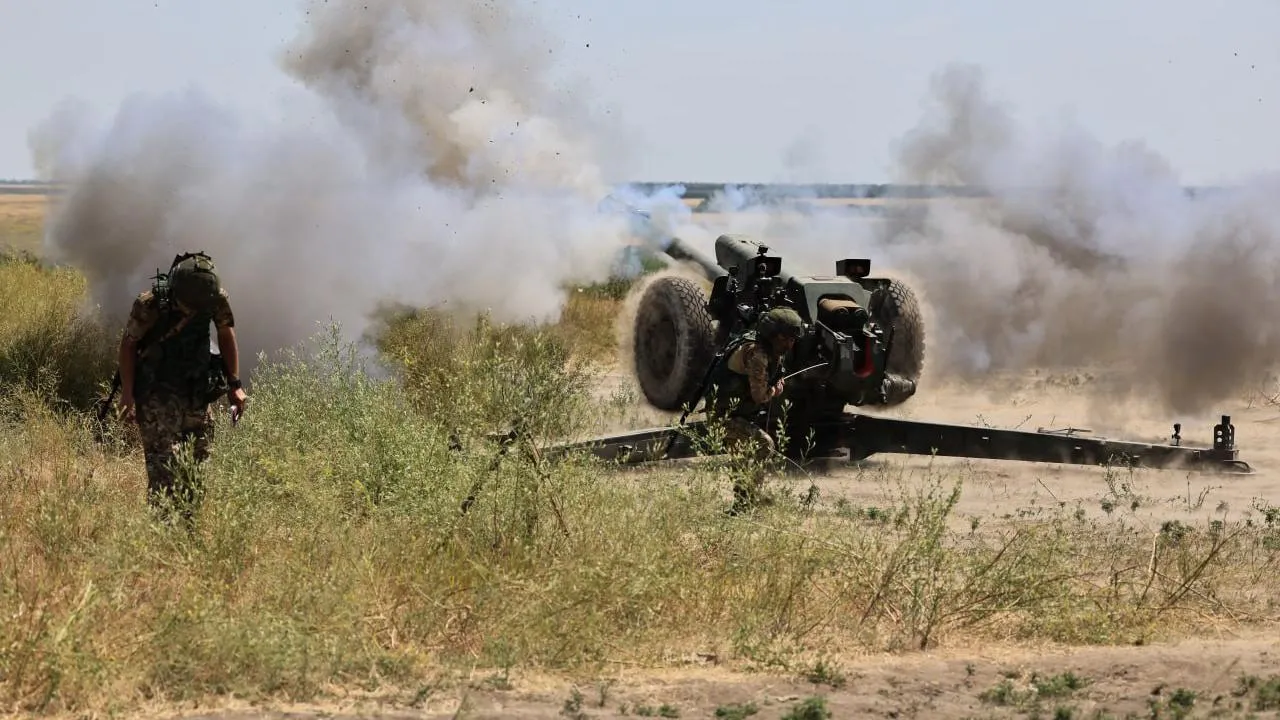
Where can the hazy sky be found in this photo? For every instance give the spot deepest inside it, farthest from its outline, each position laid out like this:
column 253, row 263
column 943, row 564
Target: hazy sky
column 741, row 90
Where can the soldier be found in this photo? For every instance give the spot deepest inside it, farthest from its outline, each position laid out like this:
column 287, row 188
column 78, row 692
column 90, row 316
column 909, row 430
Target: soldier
column 741, row 389
column 169, row 375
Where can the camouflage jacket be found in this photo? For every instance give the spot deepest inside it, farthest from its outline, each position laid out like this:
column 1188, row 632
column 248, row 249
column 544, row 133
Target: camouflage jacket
column 742, row 384
column 175, row 354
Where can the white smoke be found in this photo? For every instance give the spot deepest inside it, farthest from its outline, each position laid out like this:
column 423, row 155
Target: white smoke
column 426, row 159
column 1086, row 254
column 1081, row 254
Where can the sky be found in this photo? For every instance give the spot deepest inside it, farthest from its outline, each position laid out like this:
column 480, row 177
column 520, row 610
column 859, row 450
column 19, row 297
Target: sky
column 741, row 90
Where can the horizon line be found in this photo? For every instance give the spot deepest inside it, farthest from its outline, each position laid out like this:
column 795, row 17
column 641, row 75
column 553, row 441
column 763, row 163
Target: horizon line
column 704, row 190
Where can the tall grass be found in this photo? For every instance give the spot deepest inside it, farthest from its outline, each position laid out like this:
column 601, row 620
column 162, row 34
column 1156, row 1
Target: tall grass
column 330, row 547
column 49, row 339
column 476, row 377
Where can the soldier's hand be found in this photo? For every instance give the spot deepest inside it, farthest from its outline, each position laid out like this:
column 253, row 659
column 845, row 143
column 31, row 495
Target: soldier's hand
column 238, row 399
column 127, row 412
column 777, row 389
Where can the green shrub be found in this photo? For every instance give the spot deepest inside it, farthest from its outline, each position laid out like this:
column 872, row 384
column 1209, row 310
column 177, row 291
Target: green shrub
column 49, row 342
column 484, row 377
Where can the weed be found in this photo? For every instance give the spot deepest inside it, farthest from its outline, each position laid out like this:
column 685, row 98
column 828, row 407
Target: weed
column 603, row 691
column 737, row 711
column 1002, row 693
column 1030, row 696
column 1177, row 705
column 1265, row 692
column 1060, row 685
column 573, row 706
column 824, row 672
column 811, row 708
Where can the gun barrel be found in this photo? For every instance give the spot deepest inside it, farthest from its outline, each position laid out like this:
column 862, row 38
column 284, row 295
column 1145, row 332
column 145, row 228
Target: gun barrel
column 740, row 251
column 680, row 250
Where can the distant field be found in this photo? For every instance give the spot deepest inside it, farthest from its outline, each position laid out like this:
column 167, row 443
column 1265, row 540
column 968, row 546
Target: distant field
column 23, row 208
column 21, row 220
column 25, row 189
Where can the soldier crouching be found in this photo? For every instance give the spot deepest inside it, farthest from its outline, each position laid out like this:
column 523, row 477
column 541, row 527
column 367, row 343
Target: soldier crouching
column 741, row 391
column 169, row 376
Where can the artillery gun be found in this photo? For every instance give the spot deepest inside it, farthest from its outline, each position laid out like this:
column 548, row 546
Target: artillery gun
column 863, row 346
column 863, row 342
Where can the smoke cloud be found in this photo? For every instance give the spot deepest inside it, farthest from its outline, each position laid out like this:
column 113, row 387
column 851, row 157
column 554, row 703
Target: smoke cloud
column 1086, row 255
column 1080, row 254
column 427, row 158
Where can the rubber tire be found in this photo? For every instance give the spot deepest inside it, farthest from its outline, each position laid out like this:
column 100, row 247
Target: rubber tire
column 673, row 341
column 901, row 310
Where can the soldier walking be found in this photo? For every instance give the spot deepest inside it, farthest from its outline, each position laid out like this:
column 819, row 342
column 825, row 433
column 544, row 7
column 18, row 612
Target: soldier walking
column 169, row 375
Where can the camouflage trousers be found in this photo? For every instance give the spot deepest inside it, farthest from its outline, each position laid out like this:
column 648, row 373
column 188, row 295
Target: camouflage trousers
column 173, row 429
column 756, row 448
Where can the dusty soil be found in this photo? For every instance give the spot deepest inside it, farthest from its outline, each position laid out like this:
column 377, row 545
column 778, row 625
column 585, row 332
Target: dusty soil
column 1043, row 400
column 1201, row 678
column 1055, row 401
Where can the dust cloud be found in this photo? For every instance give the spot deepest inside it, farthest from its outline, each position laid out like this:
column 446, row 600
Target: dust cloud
column 1079, row 255
column 425, row 157
column 1087, row 255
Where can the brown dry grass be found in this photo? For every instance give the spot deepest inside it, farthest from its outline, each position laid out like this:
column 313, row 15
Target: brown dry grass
column 21, row 221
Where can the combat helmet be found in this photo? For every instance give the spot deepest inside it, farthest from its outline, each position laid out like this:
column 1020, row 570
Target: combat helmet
column 780, row 321
column 193, row 281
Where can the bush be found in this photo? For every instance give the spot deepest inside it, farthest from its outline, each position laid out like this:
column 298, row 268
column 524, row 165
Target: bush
column 472, row 380
column 48, row 342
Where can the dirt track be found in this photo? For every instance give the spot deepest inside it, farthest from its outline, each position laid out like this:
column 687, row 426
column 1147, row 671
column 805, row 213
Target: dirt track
column 1201, row 676
column 1074, row 399
column 1057, row 400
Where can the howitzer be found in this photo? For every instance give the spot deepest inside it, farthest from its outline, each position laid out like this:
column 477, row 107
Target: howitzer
column 863, row 342
column 863, row 345
column 860, row 436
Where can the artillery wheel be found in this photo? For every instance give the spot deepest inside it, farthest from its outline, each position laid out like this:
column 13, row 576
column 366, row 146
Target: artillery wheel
column 901, row 310
column 673, row 341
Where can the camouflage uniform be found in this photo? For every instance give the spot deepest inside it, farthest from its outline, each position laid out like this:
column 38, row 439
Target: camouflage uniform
column 754, row 362
column 172, row 388
column 740, row 395
column 743, row 431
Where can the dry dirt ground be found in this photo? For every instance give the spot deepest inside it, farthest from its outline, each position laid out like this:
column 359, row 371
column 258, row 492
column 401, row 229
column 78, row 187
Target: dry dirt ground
column 1193, row 679
column 1045, row 400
